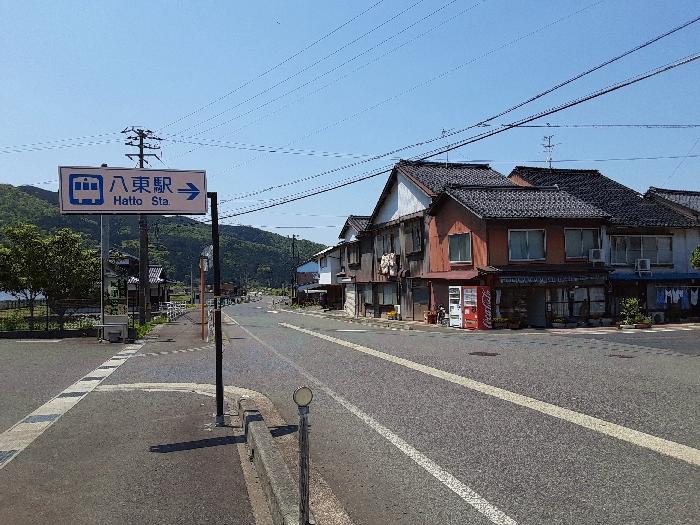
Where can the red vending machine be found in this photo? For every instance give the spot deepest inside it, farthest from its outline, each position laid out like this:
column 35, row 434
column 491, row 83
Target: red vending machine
column 476, row 305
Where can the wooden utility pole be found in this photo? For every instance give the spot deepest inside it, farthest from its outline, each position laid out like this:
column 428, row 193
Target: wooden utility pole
column 137, row 137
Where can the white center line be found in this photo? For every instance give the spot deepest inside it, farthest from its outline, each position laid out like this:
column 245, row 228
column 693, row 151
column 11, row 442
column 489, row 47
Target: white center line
column 490, row 511
column 660, row 445
column 18, row 437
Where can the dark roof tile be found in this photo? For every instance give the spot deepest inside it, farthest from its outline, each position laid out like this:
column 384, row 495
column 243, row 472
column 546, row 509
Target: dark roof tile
column 687, row 199
column 436, row 176
column 522, row 202
column 624, row 205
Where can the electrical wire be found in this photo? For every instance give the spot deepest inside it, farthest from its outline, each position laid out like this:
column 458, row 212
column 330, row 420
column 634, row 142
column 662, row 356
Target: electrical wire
column 604, row 91
column 273, row 68
column 310, row 66
column 482, row 123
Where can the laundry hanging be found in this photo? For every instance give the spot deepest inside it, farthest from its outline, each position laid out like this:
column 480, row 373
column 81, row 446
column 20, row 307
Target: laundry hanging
column 694, row 296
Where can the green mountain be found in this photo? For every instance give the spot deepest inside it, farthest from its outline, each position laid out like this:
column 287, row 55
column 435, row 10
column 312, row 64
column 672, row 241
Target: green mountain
column 247, row 254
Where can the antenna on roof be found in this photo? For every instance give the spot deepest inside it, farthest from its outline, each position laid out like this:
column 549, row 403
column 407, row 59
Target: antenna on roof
column 447, row 153
column 549, row 148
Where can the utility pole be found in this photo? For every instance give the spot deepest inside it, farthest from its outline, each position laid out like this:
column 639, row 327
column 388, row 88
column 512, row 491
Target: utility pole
column 218, row 340
column 549, row 148
column 138, row 137
column 294, row 267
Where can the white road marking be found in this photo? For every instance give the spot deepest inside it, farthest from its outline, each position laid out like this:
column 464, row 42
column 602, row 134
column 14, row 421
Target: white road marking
column 467, row 494
column 350, row 330
column 272, row 312
column 18, row 437
column 660, row 445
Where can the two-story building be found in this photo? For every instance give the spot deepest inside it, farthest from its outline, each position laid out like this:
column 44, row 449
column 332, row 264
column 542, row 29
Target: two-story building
column 394, row 254
column 647, row 241
column 350, row 249
column 529, row 245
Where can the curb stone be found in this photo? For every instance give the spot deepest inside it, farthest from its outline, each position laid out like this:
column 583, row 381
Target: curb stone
column 275, row 478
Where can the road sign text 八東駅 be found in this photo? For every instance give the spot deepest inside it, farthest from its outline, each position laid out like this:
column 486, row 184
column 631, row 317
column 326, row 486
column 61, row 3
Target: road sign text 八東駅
column 132, row 190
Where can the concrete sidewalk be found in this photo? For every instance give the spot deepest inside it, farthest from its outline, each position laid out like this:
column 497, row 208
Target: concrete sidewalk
column 137, row 452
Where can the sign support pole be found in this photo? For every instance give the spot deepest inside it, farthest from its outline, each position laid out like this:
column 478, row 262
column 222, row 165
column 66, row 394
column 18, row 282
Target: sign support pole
column 202, row 288
column 217, row 308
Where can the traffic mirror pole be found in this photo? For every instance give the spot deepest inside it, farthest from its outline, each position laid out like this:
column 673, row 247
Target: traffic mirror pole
column 217, row 308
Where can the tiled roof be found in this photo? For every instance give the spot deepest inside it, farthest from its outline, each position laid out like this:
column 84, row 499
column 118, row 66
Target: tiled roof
column 154, row 276
column 436, row 176
column 685, row 198
column 624, row 205
column 523, row 202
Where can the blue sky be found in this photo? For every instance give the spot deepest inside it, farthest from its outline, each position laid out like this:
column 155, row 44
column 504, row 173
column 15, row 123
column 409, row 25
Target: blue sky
column 77, row 69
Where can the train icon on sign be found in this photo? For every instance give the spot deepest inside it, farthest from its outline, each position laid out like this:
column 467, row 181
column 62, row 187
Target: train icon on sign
column 86, row 189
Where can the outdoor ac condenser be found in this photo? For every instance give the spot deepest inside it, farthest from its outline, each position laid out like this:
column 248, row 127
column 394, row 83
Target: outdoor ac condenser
column 643, row 265
column 596, row 255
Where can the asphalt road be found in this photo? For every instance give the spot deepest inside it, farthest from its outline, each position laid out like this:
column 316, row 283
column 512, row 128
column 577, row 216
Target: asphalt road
column 399, row 444
column 408, row 427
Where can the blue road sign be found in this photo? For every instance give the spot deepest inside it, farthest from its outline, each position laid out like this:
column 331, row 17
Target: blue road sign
column 86, row 189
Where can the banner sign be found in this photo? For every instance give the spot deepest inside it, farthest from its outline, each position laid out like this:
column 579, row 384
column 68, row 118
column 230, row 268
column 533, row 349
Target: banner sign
column 88, row 190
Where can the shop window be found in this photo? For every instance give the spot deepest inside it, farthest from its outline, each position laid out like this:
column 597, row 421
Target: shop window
column 626, row 249
column 526, row 245
column 460, row 248
column 579, row 242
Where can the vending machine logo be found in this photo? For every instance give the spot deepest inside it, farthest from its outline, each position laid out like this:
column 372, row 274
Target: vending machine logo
column 486, row 301
column 86, row 189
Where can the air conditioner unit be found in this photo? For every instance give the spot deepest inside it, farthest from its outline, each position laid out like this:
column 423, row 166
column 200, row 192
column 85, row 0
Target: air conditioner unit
column 642, row 265
column 596, row 255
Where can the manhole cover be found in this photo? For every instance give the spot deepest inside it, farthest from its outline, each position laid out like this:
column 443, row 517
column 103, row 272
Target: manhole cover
column 621, row 356
column 484, row 354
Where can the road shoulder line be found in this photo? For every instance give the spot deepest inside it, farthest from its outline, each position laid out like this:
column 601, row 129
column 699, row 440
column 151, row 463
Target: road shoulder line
column 635, row 437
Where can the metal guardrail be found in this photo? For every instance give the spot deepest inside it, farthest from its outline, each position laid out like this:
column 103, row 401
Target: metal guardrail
column 172, row 310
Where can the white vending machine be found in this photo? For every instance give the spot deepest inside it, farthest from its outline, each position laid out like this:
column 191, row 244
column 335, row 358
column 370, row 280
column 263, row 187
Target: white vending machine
column 455, row 306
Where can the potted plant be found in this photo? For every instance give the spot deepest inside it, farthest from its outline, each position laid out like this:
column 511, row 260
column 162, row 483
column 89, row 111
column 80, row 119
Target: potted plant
column 558, row 322
column 632, row 316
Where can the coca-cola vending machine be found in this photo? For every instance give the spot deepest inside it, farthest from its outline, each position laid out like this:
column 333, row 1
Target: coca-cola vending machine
column 476, row 307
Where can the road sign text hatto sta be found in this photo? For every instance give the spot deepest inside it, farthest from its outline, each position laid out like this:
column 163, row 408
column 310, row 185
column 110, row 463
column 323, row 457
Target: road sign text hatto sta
column 132, row 190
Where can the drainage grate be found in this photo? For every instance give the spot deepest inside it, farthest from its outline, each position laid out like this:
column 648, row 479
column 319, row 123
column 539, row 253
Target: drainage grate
column 484, row 354
column 621, row 356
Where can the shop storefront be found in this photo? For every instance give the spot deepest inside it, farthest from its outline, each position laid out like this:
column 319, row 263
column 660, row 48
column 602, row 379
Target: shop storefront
column 668, row 297
column 543, row 299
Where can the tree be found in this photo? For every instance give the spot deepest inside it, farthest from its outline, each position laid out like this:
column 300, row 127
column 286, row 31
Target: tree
column 74, row 271
column 23, row 270
column 695, row 257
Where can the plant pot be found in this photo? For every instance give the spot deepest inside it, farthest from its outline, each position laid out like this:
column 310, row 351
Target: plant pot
column 514, row 326
column 642, row 325
column 431, row 318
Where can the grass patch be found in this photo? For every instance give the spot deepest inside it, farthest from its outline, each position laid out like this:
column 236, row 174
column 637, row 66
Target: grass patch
column 143, row 329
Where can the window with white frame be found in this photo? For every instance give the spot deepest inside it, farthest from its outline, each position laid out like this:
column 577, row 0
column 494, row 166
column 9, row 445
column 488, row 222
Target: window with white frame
column 579, row 241
column 460, row 248
column 526, row 245
column 626, row 249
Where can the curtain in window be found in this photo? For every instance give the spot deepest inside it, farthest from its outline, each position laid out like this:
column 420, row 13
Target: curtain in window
column 572, row 242
column 664, row 250
column 589, row 240
column 518, row 245
column 535, row 244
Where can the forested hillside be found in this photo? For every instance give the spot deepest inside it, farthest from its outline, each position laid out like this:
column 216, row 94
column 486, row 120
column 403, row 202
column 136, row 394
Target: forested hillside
column 175, row 242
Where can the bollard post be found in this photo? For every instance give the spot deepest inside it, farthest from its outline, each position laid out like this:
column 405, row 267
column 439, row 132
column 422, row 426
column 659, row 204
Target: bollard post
column 302, row 397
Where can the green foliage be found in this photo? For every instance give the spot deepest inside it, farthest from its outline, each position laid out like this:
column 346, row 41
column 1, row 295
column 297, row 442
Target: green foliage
column 143, row 329
column 695, row 257
column 14, row 320
column 632, row 312
column 175, row 242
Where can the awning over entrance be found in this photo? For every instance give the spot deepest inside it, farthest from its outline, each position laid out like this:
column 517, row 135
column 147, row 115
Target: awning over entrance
column 456, row 275
column 661, row 276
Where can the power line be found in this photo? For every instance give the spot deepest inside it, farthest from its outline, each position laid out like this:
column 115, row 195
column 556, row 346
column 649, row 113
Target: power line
column 493, row 50
column 682, row 161
column 27, row 149
column 306, row 68
column 484, row 135
column 273, row 68
column 482, row 123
